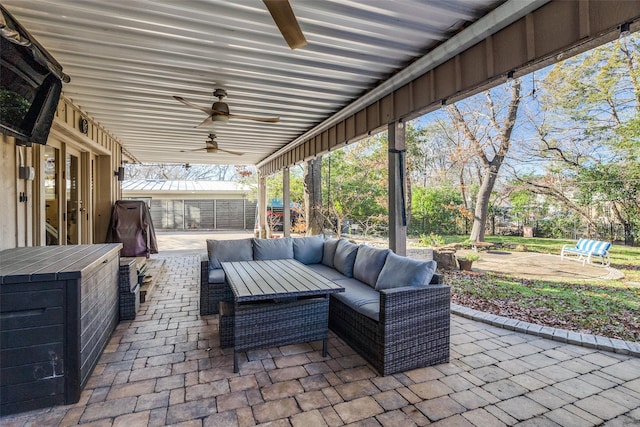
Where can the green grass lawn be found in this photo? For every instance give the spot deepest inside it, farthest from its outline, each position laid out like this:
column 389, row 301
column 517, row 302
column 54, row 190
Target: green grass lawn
column 604, row 307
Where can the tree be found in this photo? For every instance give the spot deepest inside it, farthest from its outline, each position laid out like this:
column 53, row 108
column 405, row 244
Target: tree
column 522, row 202
column 436, row 210
column 488, row 133
column 355, row 179
column 185, row 172
column 588, row 125
column 275, row 186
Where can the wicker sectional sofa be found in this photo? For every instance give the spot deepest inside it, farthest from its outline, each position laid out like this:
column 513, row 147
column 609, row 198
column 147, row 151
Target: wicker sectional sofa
column 395, row 312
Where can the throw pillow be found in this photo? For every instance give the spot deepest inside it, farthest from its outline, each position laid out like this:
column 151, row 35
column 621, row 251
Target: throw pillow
column 399, row 271
column 309, row 250
column 264, row 249
column 328, row 252
column 369, row 263
column 345, row 257
column 228, row 251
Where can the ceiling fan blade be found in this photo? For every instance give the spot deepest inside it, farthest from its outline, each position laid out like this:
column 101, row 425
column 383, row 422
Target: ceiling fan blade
column 230, row 152
column 207, row 110
column 257, row 119
column 206, row 122
column 285, row 19
column 188, row 151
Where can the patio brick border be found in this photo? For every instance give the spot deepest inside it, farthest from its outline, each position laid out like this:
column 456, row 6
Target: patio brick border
column 556, row 334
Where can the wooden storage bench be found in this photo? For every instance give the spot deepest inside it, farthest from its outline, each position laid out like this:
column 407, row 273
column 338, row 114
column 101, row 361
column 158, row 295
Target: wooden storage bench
column 58, row 308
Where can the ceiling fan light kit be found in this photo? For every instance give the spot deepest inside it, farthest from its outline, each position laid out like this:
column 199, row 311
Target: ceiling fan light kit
column 220, row 119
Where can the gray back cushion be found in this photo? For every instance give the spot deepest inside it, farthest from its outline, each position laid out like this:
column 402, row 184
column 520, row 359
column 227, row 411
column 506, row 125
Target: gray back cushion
column 399, row 271
column 309, row 250
column 329, row 251
column 228, row 250
column 264, row 249
column 369, row 263
column 345, row 257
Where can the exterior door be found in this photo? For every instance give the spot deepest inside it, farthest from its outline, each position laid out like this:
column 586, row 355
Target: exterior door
column 52, row 195
column 73, row 215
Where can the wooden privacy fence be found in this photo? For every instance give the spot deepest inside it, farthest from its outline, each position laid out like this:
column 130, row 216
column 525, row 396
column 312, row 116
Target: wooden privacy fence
column 211, row 214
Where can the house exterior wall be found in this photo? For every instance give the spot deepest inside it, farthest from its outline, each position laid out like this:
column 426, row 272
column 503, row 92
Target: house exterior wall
column 24, row 209
column 15, row 214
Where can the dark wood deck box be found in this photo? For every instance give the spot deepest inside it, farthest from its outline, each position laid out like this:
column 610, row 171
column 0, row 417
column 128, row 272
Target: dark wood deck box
column 58, row 308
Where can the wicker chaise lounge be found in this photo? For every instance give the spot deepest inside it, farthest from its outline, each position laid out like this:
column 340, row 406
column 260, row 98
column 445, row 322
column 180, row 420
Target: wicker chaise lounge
column 395, row 311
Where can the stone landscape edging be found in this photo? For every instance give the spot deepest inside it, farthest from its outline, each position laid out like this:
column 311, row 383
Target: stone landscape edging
column 562, row 335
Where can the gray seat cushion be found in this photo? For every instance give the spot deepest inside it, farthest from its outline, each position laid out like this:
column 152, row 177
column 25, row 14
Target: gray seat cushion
column 216, row 275
column 399, row 271
column 309, row 250
column 228, row 251
column 369, row 263
column 264, row 249
column 360, row 297
column 327, row 272
column 345, row 257
column 329, row 251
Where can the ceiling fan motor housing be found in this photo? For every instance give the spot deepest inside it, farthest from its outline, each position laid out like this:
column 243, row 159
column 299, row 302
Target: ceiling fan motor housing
column 220, row 107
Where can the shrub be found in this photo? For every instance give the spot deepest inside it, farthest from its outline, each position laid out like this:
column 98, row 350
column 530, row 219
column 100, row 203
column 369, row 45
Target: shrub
column 431, row 240
column 469, row 257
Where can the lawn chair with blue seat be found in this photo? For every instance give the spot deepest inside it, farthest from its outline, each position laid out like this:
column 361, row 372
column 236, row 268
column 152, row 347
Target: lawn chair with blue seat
column 586, row 250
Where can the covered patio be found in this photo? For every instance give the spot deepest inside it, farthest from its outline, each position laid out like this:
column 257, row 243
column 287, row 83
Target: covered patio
column 166, row 368
column 369, row 68
column 143, row 77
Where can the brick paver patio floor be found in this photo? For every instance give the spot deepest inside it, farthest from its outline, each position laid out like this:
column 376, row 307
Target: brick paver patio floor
column 166, row 368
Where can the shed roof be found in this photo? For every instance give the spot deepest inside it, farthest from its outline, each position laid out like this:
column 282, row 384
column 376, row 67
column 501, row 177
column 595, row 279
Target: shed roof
column 181, row 186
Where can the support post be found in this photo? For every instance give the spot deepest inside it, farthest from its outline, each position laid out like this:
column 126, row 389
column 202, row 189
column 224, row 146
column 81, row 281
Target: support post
column 286, row 201
column 262, row 207
column 397, row 202
column 313, row 196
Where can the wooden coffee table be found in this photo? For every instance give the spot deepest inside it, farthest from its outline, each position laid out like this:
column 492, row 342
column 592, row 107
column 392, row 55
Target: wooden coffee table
column 277, row 302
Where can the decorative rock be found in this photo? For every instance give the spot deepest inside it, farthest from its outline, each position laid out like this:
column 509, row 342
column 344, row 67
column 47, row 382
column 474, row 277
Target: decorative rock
column 446, row 260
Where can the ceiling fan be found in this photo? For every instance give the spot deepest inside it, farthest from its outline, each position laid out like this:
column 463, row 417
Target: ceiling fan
column 219, row 111
column 212, row 147
column 285, row 19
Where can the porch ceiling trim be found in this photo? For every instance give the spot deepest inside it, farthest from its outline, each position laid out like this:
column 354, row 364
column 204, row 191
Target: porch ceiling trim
column 517, row 36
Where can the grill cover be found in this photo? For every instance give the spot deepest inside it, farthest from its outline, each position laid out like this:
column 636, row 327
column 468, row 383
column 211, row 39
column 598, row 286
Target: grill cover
column 132, row 226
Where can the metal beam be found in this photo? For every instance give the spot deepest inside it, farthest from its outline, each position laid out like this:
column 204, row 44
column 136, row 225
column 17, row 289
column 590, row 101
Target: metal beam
column 286, row 201
column 262, row 207
column 397, row 198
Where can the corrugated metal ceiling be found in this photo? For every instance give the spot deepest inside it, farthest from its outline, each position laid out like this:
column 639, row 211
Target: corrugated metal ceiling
column 127, row 59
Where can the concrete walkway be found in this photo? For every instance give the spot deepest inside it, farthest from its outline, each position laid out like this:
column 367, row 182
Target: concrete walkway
column 166, row 368
column 541, row 266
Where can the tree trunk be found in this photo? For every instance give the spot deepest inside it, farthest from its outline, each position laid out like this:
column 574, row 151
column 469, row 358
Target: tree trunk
column 482, row 204
column 491, row 167
column 313, row 196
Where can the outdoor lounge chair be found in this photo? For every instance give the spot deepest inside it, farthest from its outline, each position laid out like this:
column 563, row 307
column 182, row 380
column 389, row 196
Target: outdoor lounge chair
column 586, row 250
